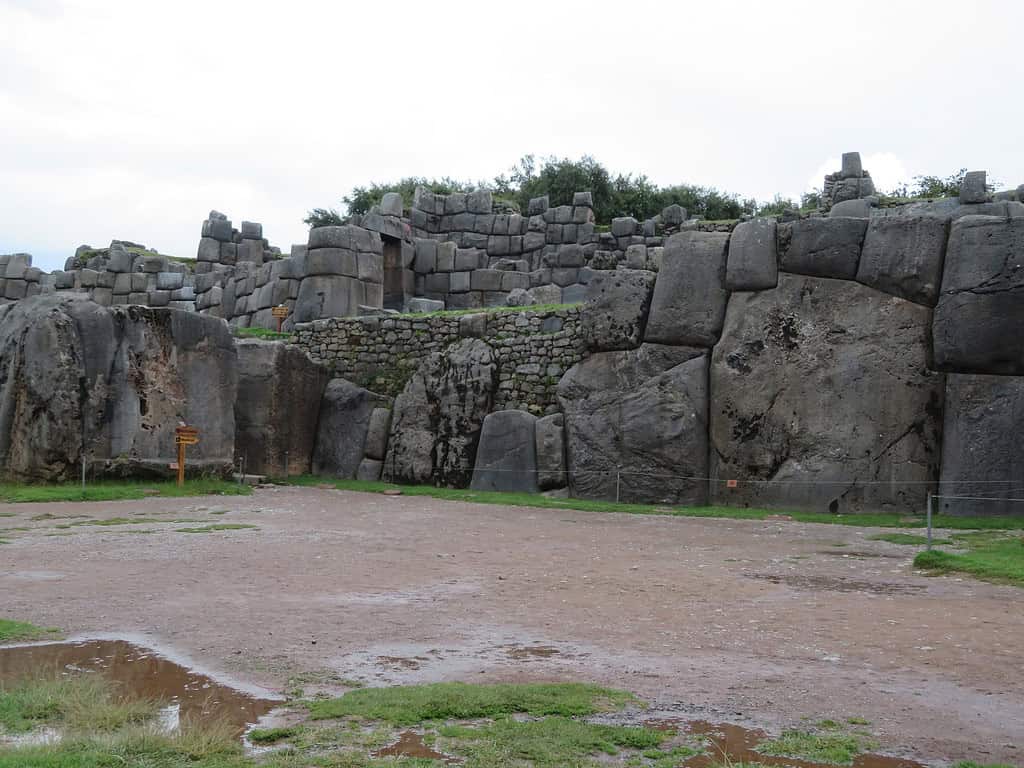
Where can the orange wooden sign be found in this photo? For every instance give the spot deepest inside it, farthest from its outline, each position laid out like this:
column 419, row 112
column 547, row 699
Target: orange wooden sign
column 731, row 483
column 279, row 312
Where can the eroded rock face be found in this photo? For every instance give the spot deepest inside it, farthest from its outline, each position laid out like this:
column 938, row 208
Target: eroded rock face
column 639, row 416
column 436, row 421
column 689, row 300
column 346, row 411
column 278, row 405
column 983, row 444
column 979, row 320
column 120, row 378
column 506, row 459
column 550, row 433
column 824, row 381
column 822, row 247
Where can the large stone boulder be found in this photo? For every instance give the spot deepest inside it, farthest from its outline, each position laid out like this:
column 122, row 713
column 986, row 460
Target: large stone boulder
column 822, row 399
column 616, row 306
column 118, row 379
column 506, row 459
column 690, row 297
column 822, row 247
column 979, row 320
column 346, row 410
column 636, row 425
column 279, row 393
column 903, row 256
column 983, row 445
column 436, row 421
column 550, row 432
column 753, row 257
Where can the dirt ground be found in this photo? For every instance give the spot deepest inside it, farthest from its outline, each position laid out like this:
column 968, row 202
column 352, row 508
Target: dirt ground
column 763, row 624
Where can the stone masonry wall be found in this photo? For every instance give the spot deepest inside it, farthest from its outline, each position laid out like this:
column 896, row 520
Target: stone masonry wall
column 534, row 349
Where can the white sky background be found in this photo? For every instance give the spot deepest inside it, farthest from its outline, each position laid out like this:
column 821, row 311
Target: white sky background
column 132, row 119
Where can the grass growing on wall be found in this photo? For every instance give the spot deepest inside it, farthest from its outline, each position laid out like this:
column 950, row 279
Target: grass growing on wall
column 540, row 308
column 109, row 490
column 865, row 519
column 260, row 333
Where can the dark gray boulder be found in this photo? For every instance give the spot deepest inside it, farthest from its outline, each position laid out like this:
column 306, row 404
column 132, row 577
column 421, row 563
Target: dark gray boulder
column 903, row 256
column 346, row 410
column 822, row 247
column 278, row 406
column 506, row 459
column 377, row 433
column 436, row 421
column 822, row 399
column 120, row 380
column 979, row 319
column 369, row 470
column 983, row 445
column 753, row 260
column 322, row 296
column 973, row 188
column 550, row 432
column 636, row 425
column 616, row 307
column 689, row 300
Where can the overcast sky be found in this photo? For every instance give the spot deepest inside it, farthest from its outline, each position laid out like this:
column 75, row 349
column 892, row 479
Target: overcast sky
column 132, row 119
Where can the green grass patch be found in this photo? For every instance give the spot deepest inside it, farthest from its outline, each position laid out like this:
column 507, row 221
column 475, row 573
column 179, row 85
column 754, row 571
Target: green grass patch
column 260, row 333
column 411, row 704
column 216, row 527
column 991, row 557
column 910, row 539
column 867, row 519
column 21, row 632
column 83, row 703
column 118, row 491
column 831, row 747
column 553, row 742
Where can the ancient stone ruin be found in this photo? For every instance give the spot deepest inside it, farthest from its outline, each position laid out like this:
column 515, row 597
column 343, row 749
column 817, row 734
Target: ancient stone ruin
column 857, row 357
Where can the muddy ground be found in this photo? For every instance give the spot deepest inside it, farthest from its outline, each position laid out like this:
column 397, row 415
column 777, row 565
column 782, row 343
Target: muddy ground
column 764, row 624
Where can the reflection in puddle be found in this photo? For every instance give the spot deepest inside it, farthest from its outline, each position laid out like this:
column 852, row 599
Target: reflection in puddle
column 140, row 673
column 410, row 744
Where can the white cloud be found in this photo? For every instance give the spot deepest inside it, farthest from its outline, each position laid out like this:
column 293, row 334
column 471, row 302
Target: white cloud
column 128, row 119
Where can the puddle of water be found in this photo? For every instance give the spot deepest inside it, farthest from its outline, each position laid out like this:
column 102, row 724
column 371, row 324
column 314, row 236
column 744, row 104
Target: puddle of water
column 727, row 743
column 410, row 744
column 833, row 584
column 141, row 673
column 526, row 653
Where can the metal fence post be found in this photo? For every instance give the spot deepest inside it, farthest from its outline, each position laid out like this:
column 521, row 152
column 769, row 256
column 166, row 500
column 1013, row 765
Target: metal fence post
column 929, row 521
column 618, row 483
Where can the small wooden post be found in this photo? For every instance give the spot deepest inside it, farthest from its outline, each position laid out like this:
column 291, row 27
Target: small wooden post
column 280, row 312
column 184, row 436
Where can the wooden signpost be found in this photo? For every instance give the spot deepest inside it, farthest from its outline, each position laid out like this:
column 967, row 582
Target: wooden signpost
column 280, row 312
column 184, row 436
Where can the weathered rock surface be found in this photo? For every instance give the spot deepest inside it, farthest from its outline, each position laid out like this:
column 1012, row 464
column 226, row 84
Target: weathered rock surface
column 550, row 433
column 822, row 247
column 822, row 399
column 376, row 446
column 753, row 263
column 979, row 319
column 278, row 405
column 640, row 415
column 903, row 256
column 123, row 378
column 506, row 459
column 983, row 444
column 346, row 410
column 617, row 303
column 690, row 297
column 436, row 421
